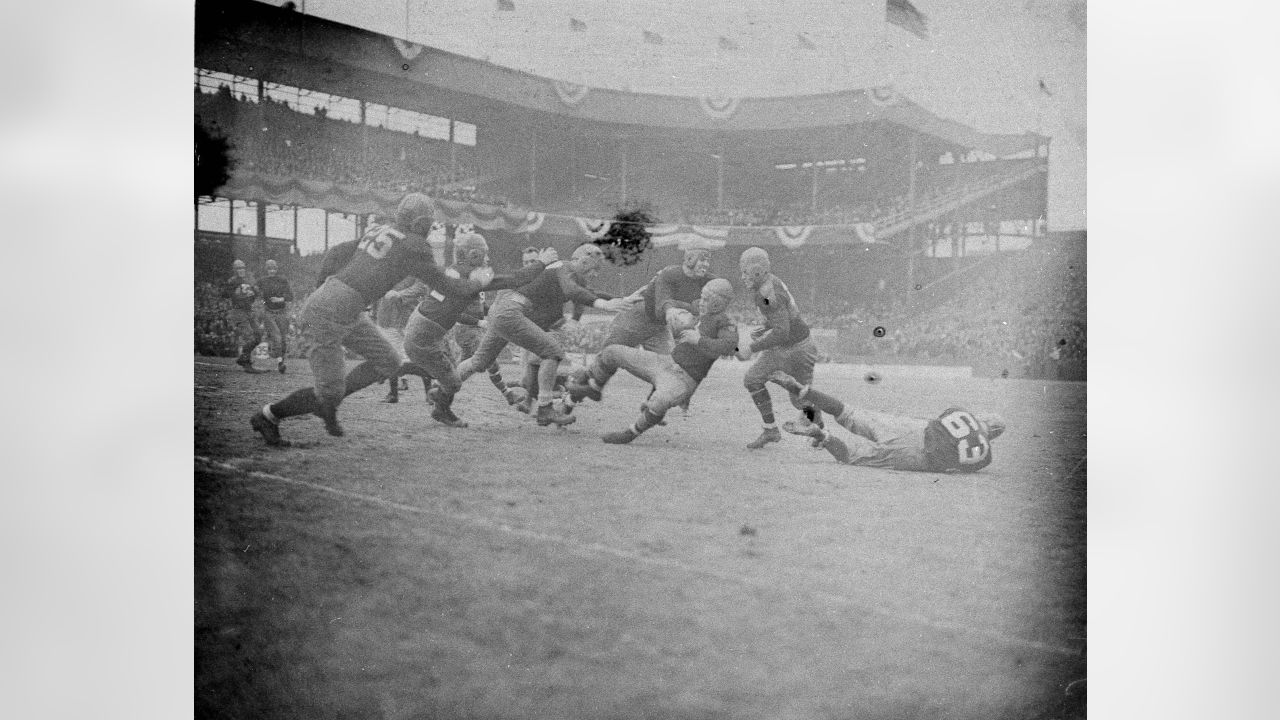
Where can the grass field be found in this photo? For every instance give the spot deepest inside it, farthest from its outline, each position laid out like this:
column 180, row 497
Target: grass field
column 505, row 570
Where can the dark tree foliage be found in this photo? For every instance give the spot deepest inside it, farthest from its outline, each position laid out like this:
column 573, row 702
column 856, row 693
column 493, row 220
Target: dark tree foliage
column 213, row 161
column 628, row 235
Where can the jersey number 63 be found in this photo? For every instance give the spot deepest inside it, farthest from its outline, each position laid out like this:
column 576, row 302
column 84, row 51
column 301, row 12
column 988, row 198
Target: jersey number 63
column 970, row 434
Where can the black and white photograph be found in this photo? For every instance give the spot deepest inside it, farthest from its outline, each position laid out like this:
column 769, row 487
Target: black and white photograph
column 640, row 359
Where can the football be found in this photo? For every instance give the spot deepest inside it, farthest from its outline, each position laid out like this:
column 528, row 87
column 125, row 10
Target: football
column 680, row 320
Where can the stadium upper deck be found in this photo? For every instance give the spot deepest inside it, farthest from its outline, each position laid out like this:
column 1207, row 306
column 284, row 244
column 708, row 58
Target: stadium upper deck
column 258, row 40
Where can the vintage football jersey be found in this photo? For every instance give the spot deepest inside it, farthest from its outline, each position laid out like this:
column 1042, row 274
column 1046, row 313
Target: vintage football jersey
column 719, row 338
column 385, row 256
column 445, row 308
column 782, row 316
column 957, row 440
column 241, row 292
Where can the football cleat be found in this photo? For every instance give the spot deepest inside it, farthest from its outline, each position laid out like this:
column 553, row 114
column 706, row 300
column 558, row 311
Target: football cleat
column 268, row 430
column 808, row 429
column 621, row 437
column 549, row 415
column 445, row 415
column 329, row 414
column 768, row 435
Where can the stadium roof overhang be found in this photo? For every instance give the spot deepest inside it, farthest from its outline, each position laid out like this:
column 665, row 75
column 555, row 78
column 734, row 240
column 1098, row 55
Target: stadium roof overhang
column 262, row 41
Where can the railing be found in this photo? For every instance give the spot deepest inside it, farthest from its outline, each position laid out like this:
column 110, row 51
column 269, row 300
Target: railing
column 948, row 200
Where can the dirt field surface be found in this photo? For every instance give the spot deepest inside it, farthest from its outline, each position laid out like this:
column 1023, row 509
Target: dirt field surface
column 505, row 570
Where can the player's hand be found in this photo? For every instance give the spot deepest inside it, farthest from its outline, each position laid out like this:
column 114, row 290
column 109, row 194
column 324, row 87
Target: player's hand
column 690, row 336
column 759, row 332
column 481, row 275
column 548, row 255
column 615, row 305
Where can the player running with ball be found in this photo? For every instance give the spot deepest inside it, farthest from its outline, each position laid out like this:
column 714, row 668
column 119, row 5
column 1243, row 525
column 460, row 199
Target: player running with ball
column 674, row 377
column 957, row 440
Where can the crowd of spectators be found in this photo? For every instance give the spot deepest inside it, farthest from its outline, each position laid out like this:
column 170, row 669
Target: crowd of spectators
column 1027, row 313
column 272, row 138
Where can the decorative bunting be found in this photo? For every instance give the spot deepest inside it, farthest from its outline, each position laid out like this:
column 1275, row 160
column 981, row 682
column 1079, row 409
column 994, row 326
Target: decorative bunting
column 718, row 108
column 594, row 229
column 727, row 44
column 884, row 95
column 805, row 43
column 408, row 50
column 570, row 93
column 532, row 222
column 577, row 25
column 793, row 236
column 652, row 38
column 360, row 200
column 686, row 237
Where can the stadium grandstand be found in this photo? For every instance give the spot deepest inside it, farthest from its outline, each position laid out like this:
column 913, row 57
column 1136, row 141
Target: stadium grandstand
column 880, row 214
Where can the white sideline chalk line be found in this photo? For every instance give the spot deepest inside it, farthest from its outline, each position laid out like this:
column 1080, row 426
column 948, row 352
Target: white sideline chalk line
column 644, row 559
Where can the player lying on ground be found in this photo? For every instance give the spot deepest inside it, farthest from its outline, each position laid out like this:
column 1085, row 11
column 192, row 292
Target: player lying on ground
column 955, row 440
column 783, row 343
column 522, row 316
column 334, row 316
column 425, row 335
column 674, row 377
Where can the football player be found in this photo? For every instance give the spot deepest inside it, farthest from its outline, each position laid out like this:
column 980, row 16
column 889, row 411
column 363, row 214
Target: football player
column 392, row 314
column 674, row 377
column 334, row 316
column 674, row 286
column 957, row 440
column 523, row 316
column 783, row 343
column 276, row 295
column 471, row 251
column 425, row 335
column 242, row 293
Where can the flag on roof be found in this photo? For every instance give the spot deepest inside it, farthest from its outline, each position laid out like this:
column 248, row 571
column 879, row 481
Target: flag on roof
column 506, row 5
column 805, row 42
column 652, row 38
column 727, row 44
column 577, row 25
column 905, row 15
